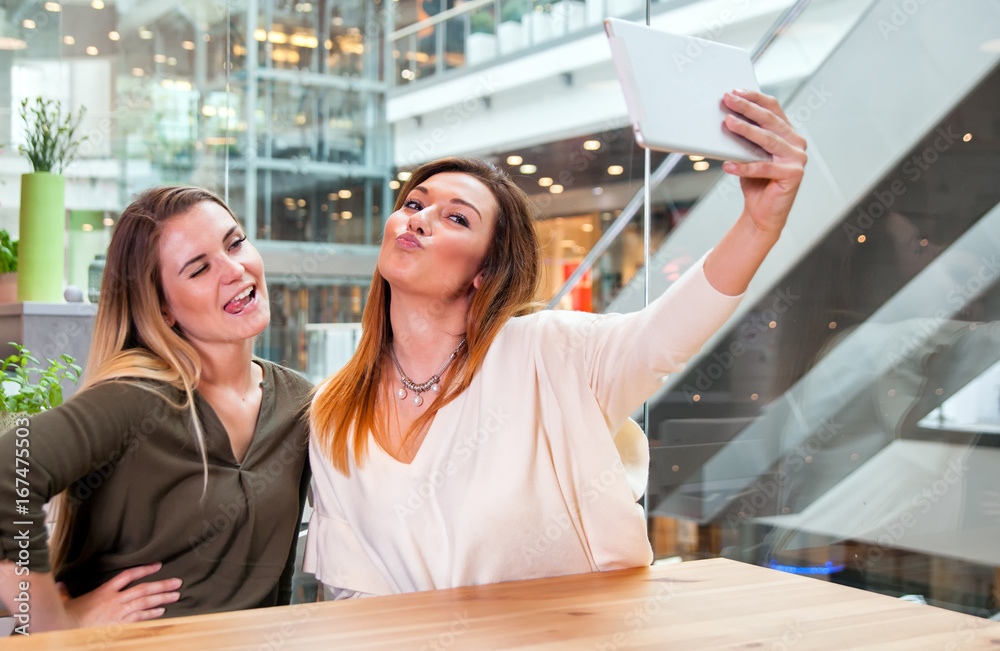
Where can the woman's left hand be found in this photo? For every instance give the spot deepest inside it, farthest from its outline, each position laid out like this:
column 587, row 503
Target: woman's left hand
column 769, row 187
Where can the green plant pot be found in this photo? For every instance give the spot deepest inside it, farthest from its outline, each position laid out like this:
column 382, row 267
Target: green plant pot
column 41, row 250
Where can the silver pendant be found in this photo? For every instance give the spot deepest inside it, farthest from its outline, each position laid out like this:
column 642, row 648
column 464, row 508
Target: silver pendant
column 417, row 400
column 401, row 393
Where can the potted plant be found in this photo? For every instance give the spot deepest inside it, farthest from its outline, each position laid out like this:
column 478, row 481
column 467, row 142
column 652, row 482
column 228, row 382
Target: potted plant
column 21, row 394
column 510, row 34
column 8, row 268
column 50, row 144
column 482, row 43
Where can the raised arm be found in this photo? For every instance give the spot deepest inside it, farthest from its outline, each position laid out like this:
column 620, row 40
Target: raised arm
column 769, row 188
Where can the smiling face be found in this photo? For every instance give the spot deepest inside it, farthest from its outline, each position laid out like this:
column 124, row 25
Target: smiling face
column 436, row 242
column 212, row 277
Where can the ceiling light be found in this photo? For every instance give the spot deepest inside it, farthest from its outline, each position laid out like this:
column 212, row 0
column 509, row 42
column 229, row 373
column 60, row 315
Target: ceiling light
column 260, row 34
column 514, row 159
column 28, row 23
column 138, row 72
column 701, row 166
column 145, row 34
column 187, row 45
column 69, row 40
column 97, row 4
column 408, row 75
column 556, row 189
column 87, row 227
column 592, row 145
column 160, row 58
column 695, row 159
column 279, row 38
column 53, row 7
column 586, row 227
column 394, row 184
column 301, row 203
column 545, row 181
column 403, row 176
column 967, row 137
column 109, row 221
column 528, row 169
column 346, row 214
column 344, row 194
column 114, row 36
column 171, row 61
column 91, row 50
column 615, row 170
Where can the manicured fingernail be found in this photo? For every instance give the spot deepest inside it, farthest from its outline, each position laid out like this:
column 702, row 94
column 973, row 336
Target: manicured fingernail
column 729, row 166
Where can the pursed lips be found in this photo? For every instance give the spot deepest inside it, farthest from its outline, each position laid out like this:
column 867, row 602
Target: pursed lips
column 409, row 241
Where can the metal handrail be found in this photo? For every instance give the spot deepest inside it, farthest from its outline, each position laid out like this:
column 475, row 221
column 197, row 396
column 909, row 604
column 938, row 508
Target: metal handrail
column 632, row 208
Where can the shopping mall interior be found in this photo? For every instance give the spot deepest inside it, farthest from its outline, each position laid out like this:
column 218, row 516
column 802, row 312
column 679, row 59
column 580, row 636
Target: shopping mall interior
column 844, row 424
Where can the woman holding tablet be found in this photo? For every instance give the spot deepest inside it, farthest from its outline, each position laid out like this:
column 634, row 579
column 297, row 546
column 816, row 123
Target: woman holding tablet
column 469, row 440
column 182, row 457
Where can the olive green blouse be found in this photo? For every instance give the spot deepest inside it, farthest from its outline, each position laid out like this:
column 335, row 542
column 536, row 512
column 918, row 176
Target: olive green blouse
column 135, row 474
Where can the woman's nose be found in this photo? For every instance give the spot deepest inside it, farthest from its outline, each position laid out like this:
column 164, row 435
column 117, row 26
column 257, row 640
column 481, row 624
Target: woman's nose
column 418, row 222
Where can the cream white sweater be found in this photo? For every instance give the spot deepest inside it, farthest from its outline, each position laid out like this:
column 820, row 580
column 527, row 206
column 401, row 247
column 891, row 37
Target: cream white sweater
column 518, row 477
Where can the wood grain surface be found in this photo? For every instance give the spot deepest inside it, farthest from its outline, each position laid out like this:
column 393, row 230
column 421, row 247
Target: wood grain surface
column 709, row 604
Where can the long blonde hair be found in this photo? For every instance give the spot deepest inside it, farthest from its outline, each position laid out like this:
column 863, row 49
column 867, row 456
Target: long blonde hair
column 132, row 340
column 348, row 400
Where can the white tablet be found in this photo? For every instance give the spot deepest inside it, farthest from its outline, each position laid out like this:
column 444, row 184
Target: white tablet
column 673, row 87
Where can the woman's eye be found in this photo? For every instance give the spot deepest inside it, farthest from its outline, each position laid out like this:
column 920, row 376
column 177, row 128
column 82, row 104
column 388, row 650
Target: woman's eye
column 238, row 243
column 412, row 203
column 200, row 269
column 460, row 219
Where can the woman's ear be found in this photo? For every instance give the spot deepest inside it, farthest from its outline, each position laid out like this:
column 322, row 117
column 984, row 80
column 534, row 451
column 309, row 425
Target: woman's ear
column 478, row 280
column 169, row 320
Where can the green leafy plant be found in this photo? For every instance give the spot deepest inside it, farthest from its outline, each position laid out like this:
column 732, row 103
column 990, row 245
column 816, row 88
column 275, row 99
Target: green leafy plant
column 514, row 10
column 8, row 253
column 481, row 23
column 20, row 393
column 50, row 136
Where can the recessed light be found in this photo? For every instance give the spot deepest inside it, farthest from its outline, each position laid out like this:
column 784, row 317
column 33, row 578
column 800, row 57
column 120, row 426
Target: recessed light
column 528, row 168
column 967, row 137
column 53, row 7
column 28, row 23
column 394, row 184
column 347, row 214
column 344, row 194
column 556, row 189
column 695, row 159
column 545, row 181
column 87, row 227
column 403, row 176
column 91, row 50
column 109, row 221
column 69, row 40
column 615, row 170
column 301, row 203
column 592, row 145
column 187, row 45
column 586, row 228
column 701, row 166
column 514, row 159
column 160, row 58
column 145, row 34
column 97, row 4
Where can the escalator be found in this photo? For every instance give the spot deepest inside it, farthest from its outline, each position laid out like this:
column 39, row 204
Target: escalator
column 813, row 433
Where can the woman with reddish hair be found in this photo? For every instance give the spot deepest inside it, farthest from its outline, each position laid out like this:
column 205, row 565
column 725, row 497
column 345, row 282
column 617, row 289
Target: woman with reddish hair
column 470, row 438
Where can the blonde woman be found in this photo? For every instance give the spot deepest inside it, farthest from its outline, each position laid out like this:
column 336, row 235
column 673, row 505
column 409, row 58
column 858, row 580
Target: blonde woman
column 469, row 440
column 181, row 462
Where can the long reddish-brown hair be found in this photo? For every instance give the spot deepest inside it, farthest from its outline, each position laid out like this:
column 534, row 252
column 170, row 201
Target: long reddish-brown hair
column 345, row 407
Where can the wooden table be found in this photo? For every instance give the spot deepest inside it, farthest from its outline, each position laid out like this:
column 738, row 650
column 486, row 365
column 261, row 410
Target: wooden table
column 710, row 604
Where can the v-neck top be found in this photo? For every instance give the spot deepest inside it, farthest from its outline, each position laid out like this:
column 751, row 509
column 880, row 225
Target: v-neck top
column 135, row 473
column 519, row 477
